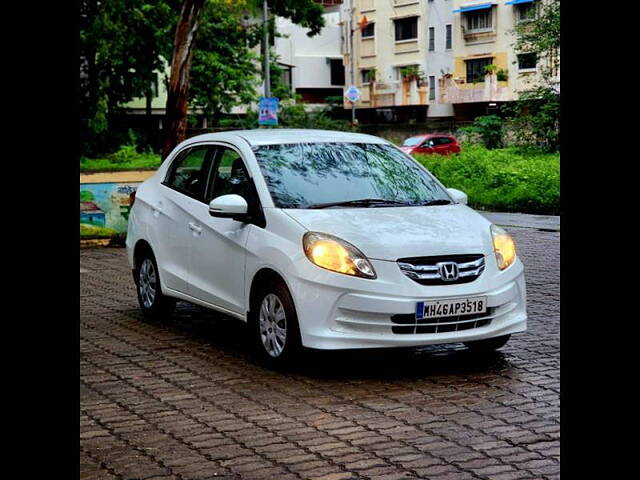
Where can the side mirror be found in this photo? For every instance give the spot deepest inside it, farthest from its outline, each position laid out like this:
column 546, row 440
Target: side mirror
column 229, row 206
column 458, row 196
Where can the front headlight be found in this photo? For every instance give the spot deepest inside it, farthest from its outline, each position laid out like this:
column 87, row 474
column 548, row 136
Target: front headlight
column 504, row 247
column 335, row 254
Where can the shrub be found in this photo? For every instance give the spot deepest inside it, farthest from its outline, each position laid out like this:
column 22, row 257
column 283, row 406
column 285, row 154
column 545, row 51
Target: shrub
column 488, row 128
column 510, row 179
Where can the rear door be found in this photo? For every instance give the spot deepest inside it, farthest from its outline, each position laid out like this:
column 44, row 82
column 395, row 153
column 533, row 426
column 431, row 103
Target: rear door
column 442, row 145
column 218, row 255
column 181, row 192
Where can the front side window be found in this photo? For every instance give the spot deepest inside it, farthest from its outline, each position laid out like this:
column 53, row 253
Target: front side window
column 229, row 175
column 308, row 174
column 479, row 20
column 188, row 174
column 406, row 28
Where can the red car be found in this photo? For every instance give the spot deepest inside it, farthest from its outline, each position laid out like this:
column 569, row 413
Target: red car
column 431, row 143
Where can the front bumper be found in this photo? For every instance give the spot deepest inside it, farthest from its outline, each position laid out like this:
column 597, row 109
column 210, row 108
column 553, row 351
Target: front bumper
column 340, row 312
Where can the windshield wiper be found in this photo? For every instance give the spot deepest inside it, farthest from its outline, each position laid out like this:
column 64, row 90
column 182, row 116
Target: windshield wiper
column 440, row 201
column 364, row 202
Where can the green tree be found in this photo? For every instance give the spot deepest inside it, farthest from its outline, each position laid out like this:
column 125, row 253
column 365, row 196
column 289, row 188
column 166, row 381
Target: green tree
column 225, row 69
column 306, row 13
column 122, row 43
column 536, row 115
column 488, row 128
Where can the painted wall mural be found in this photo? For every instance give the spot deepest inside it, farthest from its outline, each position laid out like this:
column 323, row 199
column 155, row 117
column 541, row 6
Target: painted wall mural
column 105, row 207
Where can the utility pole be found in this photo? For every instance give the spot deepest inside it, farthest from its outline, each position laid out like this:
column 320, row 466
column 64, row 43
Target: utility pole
column 352, row 59
column 265, row 29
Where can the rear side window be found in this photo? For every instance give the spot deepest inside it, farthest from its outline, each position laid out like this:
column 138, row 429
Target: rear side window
column 442, row 141
column 188, row 174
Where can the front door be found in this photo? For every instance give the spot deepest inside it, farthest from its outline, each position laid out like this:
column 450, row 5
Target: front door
column 217, row 261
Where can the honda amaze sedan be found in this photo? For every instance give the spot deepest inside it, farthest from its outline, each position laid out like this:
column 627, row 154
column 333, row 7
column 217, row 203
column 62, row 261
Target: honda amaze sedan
column 320, row 239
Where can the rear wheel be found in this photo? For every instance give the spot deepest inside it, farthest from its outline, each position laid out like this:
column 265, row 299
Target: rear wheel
column 150, row 297
column 488, row 345
column 275, row 330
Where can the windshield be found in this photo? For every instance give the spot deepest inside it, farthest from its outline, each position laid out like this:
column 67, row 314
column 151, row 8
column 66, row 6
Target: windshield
column 412, row 141
column 305, row 175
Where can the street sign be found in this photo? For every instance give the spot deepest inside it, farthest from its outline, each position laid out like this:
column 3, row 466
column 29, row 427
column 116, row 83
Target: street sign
column 268, row 111
column 352, row 94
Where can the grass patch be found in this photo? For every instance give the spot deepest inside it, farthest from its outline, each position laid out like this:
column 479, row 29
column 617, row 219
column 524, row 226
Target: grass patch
column 133, row 161
column 507, row 180
column 94, row 231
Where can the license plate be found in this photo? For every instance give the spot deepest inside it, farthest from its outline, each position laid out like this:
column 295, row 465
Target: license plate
column 451, row 308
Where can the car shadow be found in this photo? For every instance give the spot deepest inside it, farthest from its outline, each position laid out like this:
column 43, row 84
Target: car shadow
column 232, row 337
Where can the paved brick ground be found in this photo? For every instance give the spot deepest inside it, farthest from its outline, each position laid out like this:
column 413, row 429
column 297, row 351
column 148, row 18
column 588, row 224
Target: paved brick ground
column 186, row 400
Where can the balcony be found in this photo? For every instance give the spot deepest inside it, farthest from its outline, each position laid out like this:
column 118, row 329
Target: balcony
column 491, row 90
column 484, row 35
column 394, row 94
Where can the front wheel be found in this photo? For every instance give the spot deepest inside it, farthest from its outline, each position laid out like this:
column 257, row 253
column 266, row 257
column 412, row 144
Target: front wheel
column 488, row 345
column 276, row 334
column 150, row 297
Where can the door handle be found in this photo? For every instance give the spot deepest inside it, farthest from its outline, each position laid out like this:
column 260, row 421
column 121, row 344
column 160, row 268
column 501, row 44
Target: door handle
column 195, row 228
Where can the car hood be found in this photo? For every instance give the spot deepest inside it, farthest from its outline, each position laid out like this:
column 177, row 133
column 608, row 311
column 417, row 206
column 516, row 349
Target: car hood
column 407, row 149
column 389, row 233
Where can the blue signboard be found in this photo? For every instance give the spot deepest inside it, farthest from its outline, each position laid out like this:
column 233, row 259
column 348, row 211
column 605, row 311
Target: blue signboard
column 268, row 111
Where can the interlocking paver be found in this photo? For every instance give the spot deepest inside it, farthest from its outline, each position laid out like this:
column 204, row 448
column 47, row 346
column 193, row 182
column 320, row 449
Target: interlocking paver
column 185, row 399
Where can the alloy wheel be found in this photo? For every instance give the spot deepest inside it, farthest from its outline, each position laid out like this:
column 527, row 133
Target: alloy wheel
column 273, row 325
column 147, row 283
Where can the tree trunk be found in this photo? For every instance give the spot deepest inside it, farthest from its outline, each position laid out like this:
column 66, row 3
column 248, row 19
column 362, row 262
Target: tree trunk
column 178, row 95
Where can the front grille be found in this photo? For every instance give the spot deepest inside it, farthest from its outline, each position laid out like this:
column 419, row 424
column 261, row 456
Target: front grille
column 428, row 271
column 407, row 323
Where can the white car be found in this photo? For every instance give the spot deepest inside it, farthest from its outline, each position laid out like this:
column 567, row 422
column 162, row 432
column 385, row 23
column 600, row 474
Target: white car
column 322, row 239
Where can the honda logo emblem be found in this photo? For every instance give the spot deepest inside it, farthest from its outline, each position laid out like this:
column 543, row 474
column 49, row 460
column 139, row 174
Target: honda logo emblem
column 448, row 271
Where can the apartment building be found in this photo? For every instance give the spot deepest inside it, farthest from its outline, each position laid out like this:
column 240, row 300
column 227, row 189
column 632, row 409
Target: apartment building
column 312, row 66
column 385, row 44
column 422, row 59
column 483, row 38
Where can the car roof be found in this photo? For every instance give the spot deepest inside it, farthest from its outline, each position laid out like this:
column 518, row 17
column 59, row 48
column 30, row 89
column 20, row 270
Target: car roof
column 271, row 136
column 430, row 135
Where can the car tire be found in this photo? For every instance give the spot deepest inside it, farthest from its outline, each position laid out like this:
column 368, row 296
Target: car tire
column 274, row 325
column 153, row 303
column 487, row 345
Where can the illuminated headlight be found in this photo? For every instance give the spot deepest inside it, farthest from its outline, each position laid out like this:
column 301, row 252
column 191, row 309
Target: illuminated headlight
column 504, row 247
column 334, row 254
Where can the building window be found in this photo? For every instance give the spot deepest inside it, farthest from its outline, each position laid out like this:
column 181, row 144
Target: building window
column 367, row 75
column 337, row 72
column 406, row 28
column 527, row 61
column 432, row 39
column 449, row 38
column 526, row 11
column 479, row 20
column 476, row 69
column 432, row 88
column 369, row 31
